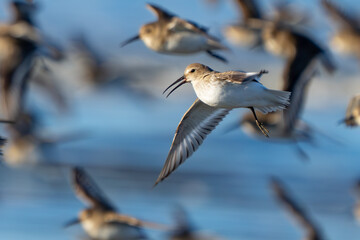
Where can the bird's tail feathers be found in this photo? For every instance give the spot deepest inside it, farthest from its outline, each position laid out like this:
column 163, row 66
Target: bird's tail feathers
column 277, row 100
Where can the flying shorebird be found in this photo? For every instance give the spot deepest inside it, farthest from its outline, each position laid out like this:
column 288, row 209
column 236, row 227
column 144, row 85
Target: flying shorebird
column 217, row 94
column 173, row 35
column 352, row 118
column 299, row 213
column 101, row 220
column 347, row 38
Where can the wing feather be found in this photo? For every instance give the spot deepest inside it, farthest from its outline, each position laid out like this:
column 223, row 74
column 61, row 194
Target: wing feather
column 196, row 124
column 88, row 191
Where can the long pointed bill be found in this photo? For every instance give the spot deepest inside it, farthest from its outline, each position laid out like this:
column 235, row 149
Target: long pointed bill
column 137, row 37
column 182, row 81
column 72, row 222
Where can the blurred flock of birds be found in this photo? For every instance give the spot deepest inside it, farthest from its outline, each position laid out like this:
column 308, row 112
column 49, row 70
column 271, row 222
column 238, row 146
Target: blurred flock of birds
column 28, row 57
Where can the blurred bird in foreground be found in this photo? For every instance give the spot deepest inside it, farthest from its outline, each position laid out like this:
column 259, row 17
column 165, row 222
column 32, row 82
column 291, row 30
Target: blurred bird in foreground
column 346, row 40
column 173, row 35
column 298, row 212
column 217, row 94
column 101, row 220
column 185, row 230
column 352, row 117
column 20, row 42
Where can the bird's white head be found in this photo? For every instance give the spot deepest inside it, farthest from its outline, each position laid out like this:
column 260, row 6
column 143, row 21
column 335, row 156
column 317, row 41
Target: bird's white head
column 193, row 72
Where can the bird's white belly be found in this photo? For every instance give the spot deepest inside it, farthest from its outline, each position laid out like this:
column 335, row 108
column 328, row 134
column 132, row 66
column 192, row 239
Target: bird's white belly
column 112, row 231
column 185, row 42
column 232, row 95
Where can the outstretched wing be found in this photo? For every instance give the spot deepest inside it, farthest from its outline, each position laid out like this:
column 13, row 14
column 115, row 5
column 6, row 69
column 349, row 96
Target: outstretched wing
column 249, row 9
column 179, row 24
column 196, row 124
column 160, row 13
column 339, row 15
column 297, row 74
column 88, row 191
column 296, row 210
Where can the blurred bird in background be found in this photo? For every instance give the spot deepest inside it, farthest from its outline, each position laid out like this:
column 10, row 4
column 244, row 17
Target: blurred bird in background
column 185, row 229
column 346, row 39
column 173, row 35
column 101, row 220
column 298, row 212
column 352, row 117
column 20, row 42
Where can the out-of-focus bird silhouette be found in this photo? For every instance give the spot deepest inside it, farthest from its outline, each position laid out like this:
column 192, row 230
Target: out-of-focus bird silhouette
column 297, row 211
column 28, row 144
column 247, row 31
column 185, row 229
column 244, row 33
column 302, row 54
column 352, row 117
column 346, row 39
column 101, row 219
column 20, row 42
column 173, row 35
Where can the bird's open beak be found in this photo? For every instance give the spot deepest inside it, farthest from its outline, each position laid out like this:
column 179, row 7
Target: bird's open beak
column 182, row 81
column 137, row 37
column 72, row 222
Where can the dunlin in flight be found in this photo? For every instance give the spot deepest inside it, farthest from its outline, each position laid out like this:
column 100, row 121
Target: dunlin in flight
column 101, row 220
column 217, row 94
column 299, row 213
column 173, row 35
column 346, row 40
column 352, row 118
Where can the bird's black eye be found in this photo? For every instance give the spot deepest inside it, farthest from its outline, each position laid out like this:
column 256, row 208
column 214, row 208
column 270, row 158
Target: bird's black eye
column 192, row 70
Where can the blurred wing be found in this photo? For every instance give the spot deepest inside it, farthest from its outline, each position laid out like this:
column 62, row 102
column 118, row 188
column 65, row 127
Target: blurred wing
column 294, row 208
column 354, row 107
column 179, row 24
column 121, row 218
column 196, row 124
column 88, row 191
column 160, row 13
column 339, row 15
column 297, row 75
column 249, row 9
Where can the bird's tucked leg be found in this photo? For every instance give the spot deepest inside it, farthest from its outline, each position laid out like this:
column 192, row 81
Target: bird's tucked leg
column 259, row 124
